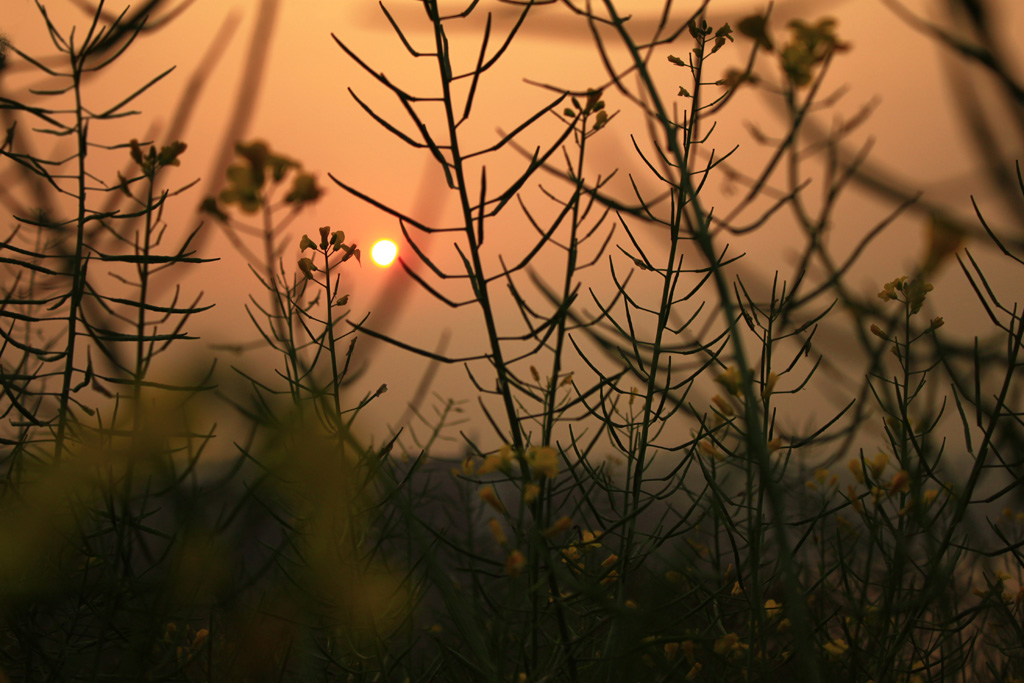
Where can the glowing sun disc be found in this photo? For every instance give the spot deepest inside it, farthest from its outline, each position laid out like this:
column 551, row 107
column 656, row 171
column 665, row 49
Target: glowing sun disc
column 384, row 252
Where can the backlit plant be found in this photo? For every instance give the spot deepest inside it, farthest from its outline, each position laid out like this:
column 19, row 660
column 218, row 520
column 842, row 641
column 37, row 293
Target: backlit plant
column 648, row 496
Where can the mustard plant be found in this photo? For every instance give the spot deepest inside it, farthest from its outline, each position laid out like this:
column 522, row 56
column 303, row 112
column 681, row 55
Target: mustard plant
column 668, row 472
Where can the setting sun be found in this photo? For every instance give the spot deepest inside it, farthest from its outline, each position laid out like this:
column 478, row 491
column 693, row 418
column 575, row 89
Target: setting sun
column 384, row 252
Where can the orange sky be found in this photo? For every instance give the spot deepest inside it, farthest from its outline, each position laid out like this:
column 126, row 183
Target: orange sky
column 302, row 108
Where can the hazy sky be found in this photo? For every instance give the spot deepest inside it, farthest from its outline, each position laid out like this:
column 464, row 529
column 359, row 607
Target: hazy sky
column 302, row 108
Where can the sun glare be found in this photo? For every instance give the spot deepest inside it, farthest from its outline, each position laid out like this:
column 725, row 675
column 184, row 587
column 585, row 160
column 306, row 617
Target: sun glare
column 384, row 252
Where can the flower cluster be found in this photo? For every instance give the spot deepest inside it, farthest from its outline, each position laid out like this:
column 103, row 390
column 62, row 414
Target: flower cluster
column 912, row 292
column 152, row 160
column 329, row 243
column 248, row 181
column 593, row 105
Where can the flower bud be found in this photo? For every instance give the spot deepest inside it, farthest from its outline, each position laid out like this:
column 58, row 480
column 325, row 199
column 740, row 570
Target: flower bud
column 136, row 151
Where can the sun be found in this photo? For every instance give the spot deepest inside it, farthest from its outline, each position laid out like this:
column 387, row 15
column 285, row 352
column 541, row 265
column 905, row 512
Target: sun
column 384, row 253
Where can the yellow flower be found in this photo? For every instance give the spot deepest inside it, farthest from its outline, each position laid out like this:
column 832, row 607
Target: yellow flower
column 772, row 608
column 854, row 500
column 304, row 189
column 729, row 644
column 709, row 449
column 489, row 496
column 694, row 672
column 723, row 406
column 877, row 464
column 530, row 493
column 701, row 549
column 916, row 291
column 307, row 267
column 502, row 460
column 726, row 643
column 515, row 563
column 543, row 461
column 769, row 385
column 558, row 527
column 900, row 482
column 732, row 381
column 891, row 288
column 590, row 539
column 497, row 531
column 200, row 636
column 856, row 470
column 836, row 648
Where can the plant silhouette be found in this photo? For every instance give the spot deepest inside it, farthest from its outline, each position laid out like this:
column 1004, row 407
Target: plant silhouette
column 639, row 491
